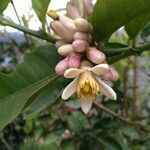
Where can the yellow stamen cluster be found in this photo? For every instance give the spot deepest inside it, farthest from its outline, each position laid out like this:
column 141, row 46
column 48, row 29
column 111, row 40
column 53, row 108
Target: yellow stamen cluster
column 88, row 87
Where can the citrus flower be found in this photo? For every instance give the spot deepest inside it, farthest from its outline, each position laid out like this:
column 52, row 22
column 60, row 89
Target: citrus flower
column 87, row 84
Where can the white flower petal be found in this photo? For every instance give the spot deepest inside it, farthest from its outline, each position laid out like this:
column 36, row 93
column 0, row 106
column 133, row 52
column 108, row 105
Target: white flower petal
column 86, row 105
column 72, row 72
column 100, row 69
column 107, row 90
column 70, row 89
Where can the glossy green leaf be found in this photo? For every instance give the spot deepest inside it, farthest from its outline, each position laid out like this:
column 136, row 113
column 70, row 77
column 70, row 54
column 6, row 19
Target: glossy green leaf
column 40, row 7
column 129, row 132
column 136, row 25
column 46, row 97
column 30, row 76
column 78, row 122
column 3, row 5
column 110, row 15
column 67, row 145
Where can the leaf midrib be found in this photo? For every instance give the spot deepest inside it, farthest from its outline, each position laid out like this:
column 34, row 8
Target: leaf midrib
column 29, row 86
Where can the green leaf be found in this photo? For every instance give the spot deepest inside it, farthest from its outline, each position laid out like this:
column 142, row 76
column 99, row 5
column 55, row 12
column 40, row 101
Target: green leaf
column 30, row 76
column 34, row 146
column 78, row 122
column 3, row 5
column 67, row 145
column 129, row 131
column 136, row 25
column 40, row 7
column 46, row 97
column 110, row 15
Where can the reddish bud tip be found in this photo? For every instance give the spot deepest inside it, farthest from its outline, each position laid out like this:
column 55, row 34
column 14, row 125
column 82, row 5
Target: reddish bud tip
column 74, row 60
column 61, row 67
column 95, row 56
column 111, row 74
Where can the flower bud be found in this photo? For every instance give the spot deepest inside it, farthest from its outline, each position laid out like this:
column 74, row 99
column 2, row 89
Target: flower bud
column 82, row 25
column 82, row 36
column 88, row 6
column 60, row 43
column 95, row 56
column 59, row 29
column 80, row 45
column 64, row 50
column 68, row 24
column 53, row 14
column 62, row 66
column 111, row 74
column 115, row 75
column 79, row 5
column 67, row 134
column 72, row 11
column 74, row 60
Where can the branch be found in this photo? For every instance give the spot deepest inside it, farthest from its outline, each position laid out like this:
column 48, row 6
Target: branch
column 126, row 52
column 136, row 125
column 38, row 34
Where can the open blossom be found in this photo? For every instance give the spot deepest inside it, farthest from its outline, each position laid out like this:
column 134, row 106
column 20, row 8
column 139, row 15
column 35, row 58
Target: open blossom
column 87, row 84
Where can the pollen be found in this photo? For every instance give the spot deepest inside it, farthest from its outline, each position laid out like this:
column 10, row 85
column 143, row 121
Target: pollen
column 88, row 87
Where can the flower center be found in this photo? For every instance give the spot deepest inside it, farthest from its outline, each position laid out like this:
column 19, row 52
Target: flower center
column 88, row 87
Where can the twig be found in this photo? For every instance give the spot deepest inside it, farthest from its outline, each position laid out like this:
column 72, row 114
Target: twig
column 136, row 125
column 125, row 87
column 5, row 143
column 135, row 85
column 16, row 12
column 19, row 19
column 39, row 34
column 126, row 52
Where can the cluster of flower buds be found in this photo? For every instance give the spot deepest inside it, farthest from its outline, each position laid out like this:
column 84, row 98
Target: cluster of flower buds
column 73, row 32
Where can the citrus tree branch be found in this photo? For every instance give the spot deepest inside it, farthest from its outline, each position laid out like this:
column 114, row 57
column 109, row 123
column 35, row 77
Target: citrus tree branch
column 118, row 54
column 38, row 34
column 136, row 125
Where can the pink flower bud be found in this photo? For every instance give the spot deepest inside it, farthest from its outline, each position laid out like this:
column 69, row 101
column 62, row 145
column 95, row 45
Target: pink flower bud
column 111, row 74
column 68, row 24
column 72, row 11
column 95, row 56
column 60, row 43
column 74, row 60
column 82, row 25
column 59, row 29
column 88, row 6
column 80, row 45
column 82, row 36
column 67, row 134
column 115, row 74
column 65, row 50
column 61, row 67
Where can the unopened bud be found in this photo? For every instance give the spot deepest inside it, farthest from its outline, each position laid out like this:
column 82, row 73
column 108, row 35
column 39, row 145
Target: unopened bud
column 74, row 60
column 95, row 56
column 82, row 25
column 67, row 134
column 65, row 50
column 80, row 45
column 68, row 24
column 59, row 29
column 53, row 14
column 88, row 6
column 72, row 11
column 82, row 36
column 60, row 43
column 79, row 5
column 62, row 66
column 111, row 74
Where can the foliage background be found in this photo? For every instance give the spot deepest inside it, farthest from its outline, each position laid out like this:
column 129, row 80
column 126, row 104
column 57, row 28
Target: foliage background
column 47, row 122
